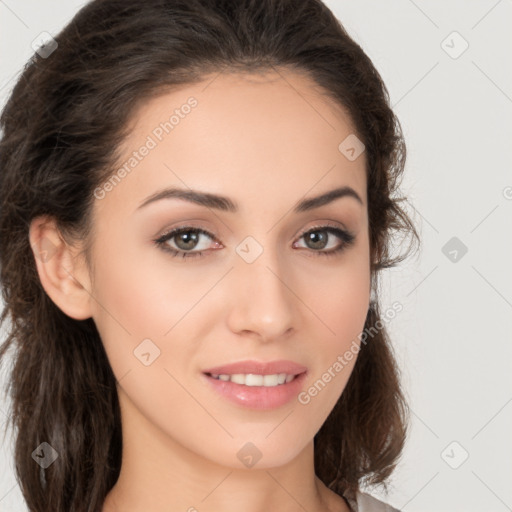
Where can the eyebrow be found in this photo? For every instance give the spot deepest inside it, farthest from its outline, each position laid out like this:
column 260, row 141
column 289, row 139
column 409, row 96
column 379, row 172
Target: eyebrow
column 228, row 205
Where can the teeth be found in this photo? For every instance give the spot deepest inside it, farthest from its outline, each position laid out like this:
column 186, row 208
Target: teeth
column 252, row 379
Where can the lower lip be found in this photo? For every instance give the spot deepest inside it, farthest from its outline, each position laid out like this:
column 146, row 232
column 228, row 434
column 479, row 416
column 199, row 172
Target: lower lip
column 258, row 397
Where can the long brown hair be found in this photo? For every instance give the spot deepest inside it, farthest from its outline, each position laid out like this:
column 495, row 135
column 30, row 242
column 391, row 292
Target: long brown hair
column 66, row 116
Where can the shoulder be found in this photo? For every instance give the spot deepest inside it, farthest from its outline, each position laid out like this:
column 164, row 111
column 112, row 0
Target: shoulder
column 363, row 502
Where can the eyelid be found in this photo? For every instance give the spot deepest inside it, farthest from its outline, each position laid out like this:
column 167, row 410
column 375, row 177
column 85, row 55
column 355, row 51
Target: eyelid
column 345, row 236
column 324, row 224
column 189, row 225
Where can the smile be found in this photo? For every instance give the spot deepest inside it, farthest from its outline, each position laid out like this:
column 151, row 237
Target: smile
column 251, row 379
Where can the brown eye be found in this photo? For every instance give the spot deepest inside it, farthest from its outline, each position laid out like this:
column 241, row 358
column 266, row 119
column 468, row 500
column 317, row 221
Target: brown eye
column 319, row 238
column 190, row 242
column 184, row 241
column 316, row 239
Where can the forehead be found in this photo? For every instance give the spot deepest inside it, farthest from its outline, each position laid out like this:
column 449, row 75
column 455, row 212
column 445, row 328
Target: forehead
column 239, row 134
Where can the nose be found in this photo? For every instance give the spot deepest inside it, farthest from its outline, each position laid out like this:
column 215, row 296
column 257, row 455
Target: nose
column 263, row 303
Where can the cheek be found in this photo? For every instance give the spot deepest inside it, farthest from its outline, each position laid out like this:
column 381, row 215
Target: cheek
column 145, row 305
column 129, row 306
column 341, row 304
column 143, row 321
column 136, row 291
column 340, row 297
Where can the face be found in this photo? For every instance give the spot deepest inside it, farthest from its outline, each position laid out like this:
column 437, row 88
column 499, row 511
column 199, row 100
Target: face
column 261, row 276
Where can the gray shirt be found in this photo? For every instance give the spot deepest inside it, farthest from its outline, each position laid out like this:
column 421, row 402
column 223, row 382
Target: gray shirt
column 365, row 503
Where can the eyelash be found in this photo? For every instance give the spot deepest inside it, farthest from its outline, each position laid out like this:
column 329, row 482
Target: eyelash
column 346, row 238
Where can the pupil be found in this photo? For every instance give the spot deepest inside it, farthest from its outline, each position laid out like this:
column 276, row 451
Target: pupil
column 318, row 238
column 189, row 239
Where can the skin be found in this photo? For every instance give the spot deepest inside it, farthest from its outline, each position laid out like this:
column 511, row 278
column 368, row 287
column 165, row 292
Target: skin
column 266, row 142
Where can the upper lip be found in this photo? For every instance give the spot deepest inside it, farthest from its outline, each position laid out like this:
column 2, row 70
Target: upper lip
column 258, row 368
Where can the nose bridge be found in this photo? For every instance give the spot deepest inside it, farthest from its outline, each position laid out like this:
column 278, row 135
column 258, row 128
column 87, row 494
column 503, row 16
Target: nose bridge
column 263, row 302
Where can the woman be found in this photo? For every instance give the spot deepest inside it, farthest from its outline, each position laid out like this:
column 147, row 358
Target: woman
column 196, row 200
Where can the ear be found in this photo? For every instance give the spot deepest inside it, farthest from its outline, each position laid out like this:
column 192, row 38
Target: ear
column 62, row 272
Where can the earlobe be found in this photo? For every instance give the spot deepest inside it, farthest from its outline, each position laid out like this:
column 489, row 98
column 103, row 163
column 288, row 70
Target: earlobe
column 62, row 274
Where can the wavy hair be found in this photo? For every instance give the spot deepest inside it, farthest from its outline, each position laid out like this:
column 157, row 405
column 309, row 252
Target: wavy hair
column 62, row 124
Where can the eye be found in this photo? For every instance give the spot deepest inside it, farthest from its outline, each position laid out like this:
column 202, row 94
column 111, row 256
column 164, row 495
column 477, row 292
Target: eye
column 190, row 242
column 186, row 238
column 320, row 238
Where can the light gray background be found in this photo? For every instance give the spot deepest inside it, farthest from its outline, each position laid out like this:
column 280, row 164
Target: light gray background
column 453, row 335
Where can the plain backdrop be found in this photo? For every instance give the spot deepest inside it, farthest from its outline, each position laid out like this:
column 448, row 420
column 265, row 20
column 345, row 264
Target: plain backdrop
column 447, row 69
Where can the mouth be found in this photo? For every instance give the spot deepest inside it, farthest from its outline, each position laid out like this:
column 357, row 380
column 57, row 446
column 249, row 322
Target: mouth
column 252, row 379
column 257, row 385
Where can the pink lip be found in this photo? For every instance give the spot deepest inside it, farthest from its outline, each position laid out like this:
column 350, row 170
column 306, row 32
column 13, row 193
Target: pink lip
column 268, row 368
column 258, row 397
